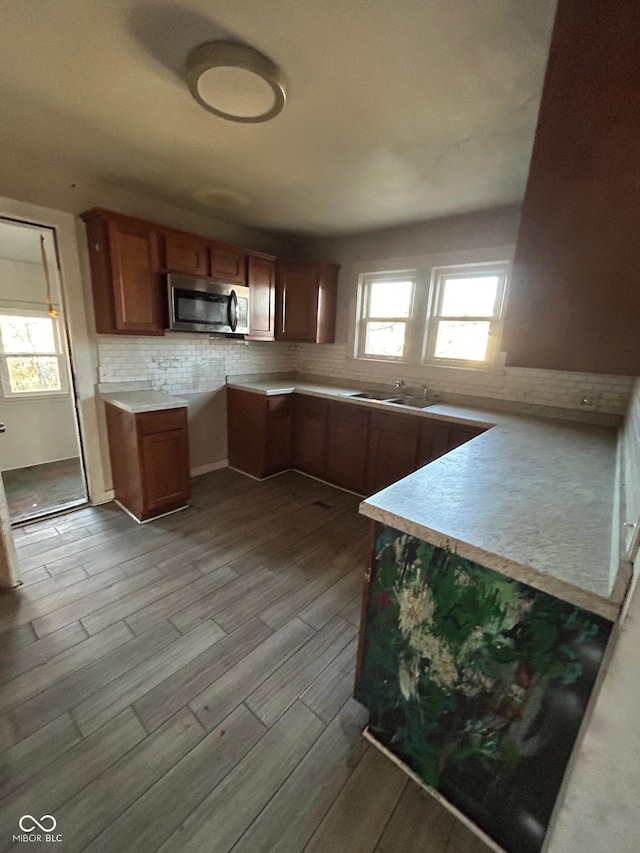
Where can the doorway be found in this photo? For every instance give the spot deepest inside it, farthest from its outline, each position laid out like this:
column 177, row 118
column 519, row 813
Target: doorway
column 41, row 456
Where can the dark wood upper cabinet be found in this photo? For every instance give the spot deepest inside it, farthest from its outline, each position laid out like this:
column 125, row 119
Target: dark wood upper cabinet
column 310, row 435
column 128, row 290
column 392, row 449
column 184, row 253
column 347, row 432
column 228, row 263
column 573, row 302
column 307, row 294
column 261, row 278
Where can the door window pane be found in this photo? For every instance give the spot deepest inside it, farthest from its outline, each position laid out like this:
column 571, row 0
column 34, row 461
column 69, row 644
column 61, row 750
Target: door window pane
column 35, row 373
column 27, row 334
column 469, row 297
column 385, row 338
column 390, row 298
column 462, row 339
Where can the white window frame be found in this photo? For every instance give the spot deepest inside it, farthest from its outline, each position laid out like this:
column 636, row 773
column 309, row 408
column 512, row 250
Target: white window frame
column 434, row 317
column 7, row 392
column 419, row 340
column 363, row 316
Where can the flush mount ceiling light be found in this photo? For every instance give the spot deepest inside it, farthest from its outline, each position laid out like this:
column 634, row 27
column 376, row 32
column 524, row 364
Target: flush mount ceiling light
column 235, row 81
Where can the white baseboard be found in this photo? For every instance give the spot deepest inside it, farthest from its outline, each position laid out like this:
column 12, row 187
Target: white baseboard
column 155, row 517
column 211, row 466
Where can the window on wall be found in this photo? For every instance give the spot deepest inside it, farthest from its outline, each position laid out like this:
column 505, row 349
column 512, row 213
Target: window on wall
column 386, row 307
column 31, row 359
column 447, row 315
column 465, row 323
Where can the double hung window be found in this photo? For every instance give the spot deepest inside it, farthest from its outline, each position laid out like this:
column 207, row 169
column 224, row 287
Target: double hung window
column 31, row 360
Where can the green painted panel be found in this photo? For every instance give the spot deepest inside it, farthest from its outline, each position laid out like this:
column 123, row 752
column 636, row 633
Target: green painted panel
column 477, row 682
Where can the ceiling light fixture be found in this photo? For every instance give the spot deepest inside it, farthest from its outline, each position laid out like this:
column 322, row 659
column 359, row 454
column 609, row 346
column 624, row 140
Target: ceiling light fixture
column 235, row 81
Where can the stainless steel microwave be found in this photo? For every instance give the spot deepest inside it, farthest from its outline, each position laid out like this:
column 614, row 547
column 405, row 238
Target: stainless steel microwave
column 205, row 305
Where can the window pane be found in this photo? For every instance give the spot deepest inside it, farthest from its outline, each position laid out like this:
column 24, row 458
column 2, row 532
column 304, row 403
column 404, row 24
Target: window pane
column 462, row 339
column 35, row 373
column 390, row 298
column 385, row 339
column 27, row 334
column 469, row 297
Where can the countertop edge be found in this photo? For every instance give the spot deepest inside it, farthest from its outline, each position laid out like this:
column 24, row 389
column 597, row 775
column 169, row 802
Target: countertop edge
column 608, row 608
column 133, row 409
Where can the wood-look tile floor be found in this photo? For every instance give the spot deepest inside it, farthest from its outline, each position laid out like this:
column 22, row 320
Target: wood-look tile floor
column 185, row 685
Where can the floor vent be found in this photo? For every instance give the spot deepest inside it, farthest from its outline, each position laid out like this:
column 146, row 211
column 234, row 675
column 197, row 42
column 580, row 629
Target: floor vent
column 322, row 504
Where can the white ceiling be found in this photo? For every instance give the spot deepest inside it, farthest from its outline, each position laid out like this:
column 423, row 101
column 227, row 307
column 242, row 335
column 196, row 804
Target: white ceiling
column 398, row 110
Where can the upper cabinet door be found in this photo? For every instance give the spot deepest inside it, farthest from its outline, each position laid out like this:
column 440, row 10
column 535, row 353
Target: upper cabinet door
column 136, row 286
column 307, row 301
column 261, row 278
column 186, row 254
column 228, row 264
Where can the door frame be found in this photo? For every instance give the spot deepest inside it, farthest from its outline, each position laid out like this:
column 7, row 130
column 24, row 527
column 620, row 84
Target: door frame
column 73, row 267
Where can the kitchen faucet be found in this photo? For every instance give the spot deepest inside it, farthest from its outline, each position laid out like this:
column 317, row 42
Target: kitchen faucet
column 400, row 385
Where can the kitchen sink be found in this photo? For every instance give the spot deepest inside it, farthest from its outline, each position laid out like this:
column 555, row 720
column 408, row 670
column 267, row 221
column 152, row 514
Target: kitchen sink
column 414, row 402
column 371, row 395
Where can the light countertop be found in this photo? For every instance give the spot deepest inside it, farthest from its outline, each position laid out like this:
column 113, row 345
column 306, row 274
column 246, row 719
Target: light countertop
column 532, row 498
column 143, row 401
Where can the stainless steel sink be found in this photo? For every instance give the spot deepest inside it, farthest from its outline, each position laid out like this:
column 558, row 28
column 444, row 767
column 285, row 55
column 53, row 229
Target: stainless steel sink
column 371, row 395
column 414, row 402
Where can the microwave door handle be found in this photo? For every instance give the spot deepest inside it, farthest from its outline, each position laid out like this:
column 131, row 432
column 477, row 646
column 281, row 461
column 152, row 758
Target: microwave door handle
column 233, row 311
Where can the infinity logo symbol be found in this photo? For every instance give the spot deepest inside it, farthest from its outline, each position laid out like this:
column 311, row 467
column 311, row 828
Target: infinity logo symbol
column 41, row 824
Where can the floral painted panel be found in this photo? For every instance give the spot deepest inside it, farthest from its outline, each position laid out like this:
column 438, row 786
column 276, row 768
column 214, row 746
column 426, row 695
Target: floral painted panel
column 477, row 682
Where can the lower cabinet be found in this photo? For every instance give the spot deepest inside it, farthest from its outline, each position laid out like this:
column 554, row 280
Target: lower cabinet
column 347, row 445
column 149, row 454
column 434, row 441
column 310, row 435
column 347, row 432
column 392, row 449
column 458, row 434
column 259, row 432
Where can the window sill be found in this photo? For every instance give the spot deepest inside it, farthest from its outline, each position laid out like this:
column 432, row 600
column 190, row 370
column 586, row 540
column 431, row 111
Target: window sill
column 35, row 395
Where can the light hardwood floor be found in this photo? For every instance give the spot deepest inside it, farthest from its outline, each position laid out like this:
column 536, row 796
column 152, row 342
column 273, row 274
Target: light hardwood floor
column 186, row 685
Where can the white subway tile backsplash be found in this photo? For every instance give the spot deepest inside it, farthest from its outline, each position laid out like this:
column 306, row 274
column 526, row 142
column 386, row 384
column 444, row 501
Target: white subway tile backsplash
column 543, row 387
column 193, row 364
column 179, row 364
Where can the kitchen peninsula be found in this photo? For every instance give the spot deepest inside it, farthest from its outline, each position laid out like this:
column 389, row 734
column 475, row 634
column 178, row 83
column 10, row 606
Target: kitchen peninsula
column 494, row 583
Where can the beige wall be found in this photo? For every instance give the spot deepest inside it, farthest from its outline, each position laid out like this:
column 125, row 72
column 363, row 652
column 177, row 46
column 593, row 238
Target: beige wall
column 472, row 231
column 62, row 188
column 38, row 430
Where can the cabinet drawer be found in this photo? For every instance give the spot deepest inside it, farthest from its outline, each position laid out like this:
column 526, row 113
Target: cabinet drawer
column 349, row 413
column 149, row 423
